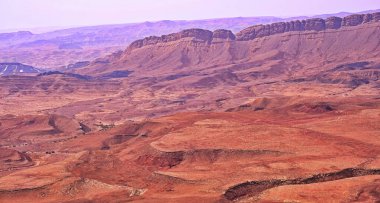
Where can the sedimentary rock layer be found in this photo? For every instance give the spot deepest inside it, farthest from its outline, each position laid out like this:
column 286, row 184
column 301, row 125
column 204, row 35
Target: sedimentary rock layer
column 250, row 33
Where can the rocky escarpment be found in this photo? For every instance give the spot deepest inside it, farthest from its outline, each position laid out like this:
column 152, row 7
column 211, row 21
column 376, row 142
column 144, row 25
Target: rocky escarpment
column 223, row 34
column 198, row 34
column 250, row 33
column 315, row 24
column 204, row 35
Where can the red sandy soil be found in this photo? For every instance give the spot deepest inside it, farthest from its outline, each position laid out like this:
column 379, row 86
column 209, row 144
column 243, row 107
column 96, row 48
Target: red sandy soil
column 202, row 156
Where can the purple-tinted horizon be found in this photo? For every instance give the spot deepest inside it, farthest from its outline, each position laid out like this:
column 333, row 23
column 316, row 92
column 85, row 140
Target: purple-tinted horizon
column 19, row 14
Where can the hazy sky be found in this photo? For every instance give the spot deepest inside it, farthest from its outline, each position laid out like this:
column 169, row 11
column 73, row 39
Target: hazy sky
column 43, row 13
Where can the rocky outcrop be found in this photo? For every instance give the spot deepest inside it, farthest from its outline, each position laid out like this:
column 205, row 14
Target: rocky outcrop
column 333, row 23
column 367, row 18
column 314, row 24
column 376, row 16
column 223, row 34
column 199, row 34
column 353, row 20
column 253, row 32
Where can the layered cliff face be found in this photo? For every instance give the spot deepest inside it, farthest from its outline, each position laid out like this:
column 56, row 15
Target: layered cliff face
column 315, row 24
column 197, row 49
column 199, row 34
column 250, row 33
column 223, row 34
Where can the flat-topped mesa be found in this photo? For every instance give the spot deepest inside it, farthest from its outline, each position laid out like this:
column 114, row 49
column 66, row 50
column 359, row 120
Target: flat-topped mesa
column 314, row 24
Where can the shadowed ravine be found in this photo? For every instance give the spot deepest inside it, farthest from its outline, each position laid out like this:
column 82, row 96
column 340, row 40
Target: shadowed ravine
column 254, row 188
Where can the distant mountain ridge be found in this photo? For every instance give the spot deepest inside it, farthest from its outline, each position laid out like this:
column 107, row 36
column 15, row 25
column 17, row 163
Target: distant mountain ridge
column 68, row 46
column 256, row 31
column 126, row 33
column 297, row 50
